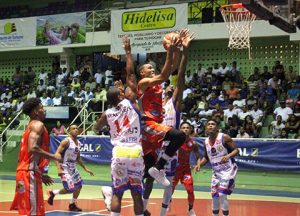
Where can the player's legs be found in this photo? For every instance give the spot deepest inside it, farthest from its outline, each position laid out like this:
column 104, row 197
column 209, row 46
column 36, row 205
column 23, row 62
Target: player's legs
column 149, row 160
column 189, row 187
column 116, row 204
column 215, row 196
column 224, row 203
column 168, row 191
column 137, row 202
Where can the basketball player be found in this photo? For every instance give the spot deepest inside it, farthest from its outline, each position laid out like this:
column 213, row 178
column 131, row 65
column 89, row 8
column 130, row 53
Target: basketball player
column 32, row 162
column 172, row 103
column 69, row 150
column 127, row 167
column 150, row 103
column 183, row 171
column 220, row 151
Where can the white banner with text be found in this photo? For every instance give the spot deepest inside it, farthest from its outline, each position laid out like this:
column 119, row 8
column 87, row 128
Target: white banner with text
column 146, row 27
column 18, row 32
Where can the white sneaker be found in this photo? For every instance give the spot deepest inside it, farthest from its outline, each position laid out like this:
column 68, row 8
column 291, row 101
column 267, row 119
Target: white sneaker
column 192, row 212
column 159, row 176
column 107, row 196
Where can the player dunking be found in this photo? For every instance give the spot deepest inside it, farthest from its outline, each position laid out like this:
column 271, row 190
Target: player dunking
column 220, row 151
column 127, row 167
column 69, row 150
column 183, row 171
column 32, row 163
column 153, row 131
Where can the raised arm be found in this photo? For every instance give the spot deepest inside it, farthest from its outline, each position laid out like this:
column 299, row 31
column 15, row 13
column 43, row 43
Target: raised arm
column 178, row 93
column 34, row 141
column 131, row 84
column 166, row 71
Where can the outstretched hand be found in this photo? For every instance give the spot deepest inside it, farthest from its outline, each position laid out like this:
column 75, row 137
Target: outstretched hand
column 186, row 37
column 126, row 44
column 119, row 85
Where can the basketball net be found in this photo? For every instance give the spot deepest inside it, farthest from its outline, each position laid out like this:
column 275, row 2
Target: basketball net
column 239, row 22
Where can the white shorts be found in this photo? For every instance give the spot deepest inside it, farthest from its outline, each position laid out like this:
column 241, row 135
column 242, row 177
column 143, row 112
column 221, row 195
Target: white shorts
column 223, row 184
column 127, row 169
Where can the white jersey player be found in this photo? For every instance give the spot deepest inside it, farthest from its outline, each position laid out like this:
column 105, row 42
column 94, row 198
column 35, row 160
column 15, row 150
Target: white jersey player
column 220, row 151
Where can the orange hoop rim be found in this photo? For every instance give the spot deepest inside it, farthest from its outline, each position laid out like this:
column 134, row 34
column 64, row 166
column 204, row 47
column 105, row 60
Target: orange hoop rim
column 227, row 8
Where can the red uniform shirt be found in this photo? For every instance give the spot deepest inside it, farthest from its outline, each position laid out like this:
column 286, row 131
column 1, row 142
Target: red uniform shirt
column 184, row 153
column 150, row 103
column 26, row 160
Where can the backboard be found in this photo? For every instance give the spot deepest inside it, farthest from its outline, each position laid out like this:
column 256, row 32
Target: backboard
column 280, row 13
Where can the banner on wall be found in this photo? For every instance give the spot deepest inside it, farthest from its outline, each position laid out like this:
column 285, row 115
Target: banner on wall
column 93, row 149
column 17, row 32
column 61, row 29
column 271, row 155
column 146, row 27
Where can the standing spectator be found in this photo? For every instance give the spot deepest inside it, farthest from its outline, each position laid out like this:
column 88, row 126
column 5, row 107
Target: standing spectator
column 188, row 77
column 99, row 76
column 200, row 71
column 108, row 76
column 43, row 75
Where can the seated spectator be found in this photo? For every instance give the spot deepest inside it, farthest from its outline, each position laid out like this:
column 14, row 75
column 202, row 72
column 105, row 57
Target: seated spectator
column 218, row 112
column 249, row 126
column 188, row 77
column 198, row 125
column 242, row 133
column 59, row 129
column 232, row 92
column 206, row 113
column 57, row 99
column 284, row 111
column 297, row 110
column 90, row 84
column 213, row 101
column 230, row 112
column 99, row 77
column 267, row 75
column 251, row 100
column 258, row 116
column 41, row 87
column 242, row 115
column 31, row 93
column 283, row 134
column 87, row 95
column 292, row 125
column 199, row 106
column 45, row 100
column 226, row 84
column 275, row 84
column 293, row 92
column 231, row 127
column 276, row 127
column 239, row 102
column 290, row 75
column 67, row 100
column 184, row 118
column 75, row 85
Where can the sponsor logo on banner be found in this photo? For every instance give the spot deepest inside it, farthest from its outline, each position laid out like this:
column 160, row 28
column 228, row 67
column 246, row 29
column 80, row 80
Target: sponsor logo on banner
column 251, row 152
column 149, row 19
column 298, row 153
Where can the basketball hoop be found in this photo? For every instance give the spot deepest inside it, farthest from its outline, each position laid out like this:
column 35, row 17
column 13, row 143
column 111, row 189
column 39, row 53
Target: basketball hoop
column 239, row 22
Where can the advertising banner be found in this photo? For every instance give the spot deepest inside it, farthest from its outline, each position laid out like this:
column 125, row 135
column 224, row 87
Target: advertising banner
column 276, row 155
column 146, row 27
column 93, row 149
column 17, row 32
column 61, row 29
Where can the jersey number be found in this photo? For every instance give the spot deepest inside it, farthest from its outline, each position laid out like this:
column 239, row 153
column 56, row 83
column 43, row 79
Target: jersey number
column 123, row 124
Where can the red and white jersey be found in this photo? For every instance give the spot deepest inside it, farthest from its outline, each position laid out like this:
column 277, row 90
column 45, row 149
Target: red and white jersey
column 215, row 152
column 124, row 123
column 150, row 103
column 184, row 152
column 171, row 116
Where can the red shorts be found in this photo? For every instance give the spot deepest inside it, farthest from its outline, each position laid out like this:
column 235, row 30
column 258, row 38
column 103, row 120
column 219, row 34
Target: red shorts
column 28, row 198
column 153, row 134
column 184, row 175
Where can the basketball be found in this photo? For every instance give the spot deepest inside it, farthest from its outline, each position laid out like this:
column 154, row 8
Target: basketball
column 168, row 39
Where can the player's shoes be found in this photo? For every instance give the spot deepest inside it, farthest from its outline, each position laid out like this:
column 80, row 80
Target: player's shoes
column 192, row 212
column 107, row 196
column 51, row 196
column 73, row 207
column 147, row 213
column 159, row 176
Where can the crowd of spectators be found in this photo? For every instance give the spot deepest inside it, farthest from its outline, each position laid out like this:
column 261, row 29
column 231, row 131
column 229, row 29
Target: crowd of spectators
column 240, row 105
